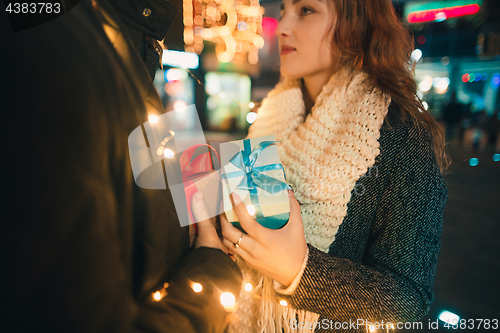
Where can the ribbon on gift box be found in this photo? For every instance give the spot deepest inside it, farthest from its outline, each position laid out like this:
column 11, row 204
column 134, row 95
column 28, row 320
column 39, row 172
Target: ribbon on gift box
column 197, row 166
column 253, row 177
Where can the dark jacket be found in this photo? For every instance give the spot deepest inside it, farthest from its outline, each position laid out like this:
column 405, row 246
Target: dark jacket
column 82, row 247
column 382, row 264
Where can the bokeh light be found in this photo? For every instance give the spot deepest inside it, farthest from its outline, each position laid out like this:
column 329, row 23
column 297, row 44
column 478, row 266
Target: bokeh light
column 251, row 116
column 495, row 80
column 153, row 119
column 180, row 106
column 172, row 75
column 473, row 162
column 197, row 287
column 449, row 317
column 168, row 153
column 228, row 301
column 416, row 55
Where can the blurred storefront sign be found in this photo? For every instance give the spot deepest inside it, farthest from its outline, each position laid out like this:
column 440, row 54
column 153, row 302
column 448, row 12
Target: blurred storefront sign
column 228, row 102
column 234, row 26
column 439, row 11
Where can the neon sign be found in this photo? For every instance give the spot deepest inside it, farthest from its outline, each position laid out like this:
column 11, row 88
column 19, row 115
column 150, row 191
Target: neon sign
column 440, row 10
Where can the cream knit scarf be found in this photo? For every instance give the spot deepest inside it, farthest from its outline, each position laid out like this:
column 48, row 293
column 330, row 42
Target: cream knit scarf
column 323, row 157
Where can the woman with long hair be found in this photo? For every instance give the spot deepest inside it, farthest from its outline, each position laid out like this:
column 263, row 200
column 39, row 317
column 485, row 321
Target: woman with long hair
column 365, row 162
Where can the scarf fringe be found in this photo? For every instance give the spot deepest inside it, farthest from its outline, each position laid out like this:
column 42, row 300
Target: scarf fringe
column 259, row 310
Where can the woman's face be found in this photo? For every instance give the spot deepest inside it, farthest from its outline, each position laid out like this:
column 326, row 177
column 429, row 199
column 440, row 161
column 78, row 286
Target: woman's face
column 304, row 41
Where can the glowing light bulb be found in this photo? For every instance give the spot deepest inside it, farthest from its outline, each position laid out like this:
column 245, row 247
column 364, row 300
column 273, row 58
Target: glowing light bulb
column 372, row 328
column 157, row 296
column 197, row 287
column 473, row 162
column 251, row 105
column 168, row 153
column 496, row 157
column 228, row 301
column 284, row 303
column 153, row 119
column 248, row 287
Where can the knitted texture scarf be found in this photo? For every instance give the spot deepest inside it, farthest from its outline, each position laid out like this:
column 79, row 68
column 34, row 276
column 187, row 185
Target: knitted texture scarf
column 323, row 157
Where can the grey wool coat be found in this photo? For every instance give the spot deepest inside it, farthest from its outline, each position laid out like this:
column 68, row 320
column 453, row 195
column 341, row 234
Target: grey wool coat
column 382, row 264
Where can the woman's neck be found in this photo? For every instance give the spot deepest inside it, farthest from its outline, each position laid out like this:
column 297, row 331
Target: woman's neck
column 308, row 100
column 312, row 87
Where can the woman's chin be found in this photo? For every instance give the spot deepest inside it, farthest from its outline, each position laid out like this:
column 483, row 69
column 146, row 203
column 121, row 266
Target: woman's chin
column 290, row 75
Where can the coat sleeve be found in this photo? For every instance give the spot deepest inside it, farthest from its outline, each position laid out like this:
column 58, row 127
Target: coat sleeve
column 182, row 309
column 395, row 278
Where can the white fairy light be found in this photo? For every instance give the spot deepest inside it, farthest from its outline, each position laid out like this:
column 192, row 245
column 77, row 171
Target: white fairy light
column 197, row 287
column 157, row 296
column 153, row 119
column 168, row 153
column 228, row 301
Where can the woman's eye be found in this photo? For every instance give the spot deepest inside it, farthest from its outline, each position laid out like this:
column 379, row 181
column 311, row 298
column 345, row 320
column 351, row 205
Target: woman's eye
column 305, row 10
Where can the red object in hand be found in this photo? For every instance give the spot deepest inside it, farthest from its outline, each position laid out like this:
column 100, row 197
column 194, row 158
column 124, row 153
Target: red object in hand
column 191, row 167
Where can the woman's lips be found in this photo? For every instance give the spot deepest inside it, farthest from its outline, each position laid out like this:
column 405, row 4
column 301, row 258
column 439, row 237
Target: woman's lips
column 286, row 51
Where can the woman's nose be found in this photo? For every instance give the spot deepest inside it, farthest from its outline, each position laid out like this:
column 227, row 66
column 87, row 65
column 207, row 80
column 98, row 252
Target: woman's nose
column 284, row 27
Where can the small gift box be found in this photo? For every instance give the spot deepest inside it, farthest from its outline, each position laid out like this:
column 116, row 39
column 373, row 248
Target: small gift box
column 251, row 168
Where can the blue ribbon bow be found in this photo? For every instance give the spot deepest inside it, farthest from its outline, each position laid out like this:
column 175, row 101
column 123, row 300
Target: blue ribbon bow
column 253, row 177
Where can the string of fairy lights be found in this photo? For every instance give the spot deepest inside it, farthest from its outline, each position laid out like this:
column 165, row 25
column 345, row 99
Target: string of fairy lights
column 228, row 301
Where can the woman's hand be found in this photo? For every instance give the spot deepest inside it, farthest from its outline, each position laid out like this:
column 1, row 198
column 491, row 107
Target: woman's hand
column 279, row 254
column 207, row 235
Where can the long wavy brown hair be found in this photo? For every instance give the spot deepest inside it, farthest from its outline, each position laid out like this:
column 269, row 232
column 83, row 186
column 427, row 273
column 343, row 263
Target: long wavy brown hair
column 368, row 35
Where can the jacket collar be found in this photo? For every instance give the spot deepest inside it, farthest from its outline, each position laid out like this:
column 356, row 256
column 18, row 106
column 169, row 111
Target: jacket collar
column 152, row 17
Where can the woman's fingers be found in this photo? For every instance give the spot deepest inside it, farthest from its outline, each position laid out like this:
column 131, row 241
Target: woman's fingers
column 294, row 208
column 233, row 234
column 228, row 230
column 244, row 254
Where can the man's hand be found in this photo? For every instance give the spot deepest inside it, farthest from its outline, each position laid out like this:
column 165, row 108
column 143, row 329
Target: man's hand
column 207, row 234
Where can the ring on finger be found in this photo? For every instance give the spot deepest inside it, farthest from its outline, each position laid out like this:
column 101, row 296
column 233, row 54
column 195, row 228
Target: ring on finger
column 237, row 244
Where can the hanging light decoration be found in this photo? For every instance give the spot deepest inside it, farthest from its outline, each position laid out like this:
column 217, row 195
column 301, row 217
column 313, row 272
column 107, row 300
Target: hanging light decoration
column 235, row 26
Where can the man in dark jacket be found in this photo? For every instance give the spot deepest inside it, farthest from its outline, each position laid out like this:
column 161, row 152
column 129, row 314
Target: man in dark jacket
column 84, row 249
column 452, row 114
